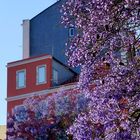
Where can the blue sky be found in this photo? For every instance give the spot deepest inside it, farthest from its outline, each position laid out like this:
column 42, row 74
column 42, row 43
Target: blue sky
column 12, row 12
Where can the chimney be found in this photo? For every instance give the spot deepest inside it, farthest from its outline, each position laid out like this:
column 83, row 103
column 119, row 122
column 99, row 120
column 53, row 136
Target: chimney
column 26, row 38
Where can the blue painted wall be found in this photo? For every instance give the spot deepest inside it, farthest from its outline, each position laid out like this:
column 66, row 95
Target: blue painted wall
column 64, row 74
column 48, row 35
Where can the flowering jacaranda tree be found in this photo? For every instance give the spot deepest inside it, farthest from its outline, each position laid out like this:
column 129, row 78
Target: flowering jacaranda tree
column 107, row 37
column 45, row 117
column 105, row 45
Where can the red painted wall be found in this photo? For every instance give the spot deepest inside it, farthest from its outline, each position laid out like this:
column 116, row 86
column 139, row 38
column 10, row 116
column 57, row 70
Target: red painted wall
column 30, row 78
column 12, row 104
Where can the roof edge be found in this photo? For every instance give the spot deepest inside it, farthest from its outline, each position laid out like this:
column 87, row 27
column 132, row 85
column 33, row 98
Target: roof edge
column 46, row 9
column 28, row 60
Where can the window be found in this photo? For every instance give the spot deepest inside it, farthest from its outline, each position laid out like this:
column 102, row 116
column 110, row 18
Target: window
column 41, row 74
column 55, row 76
column 71, row 31
column 21, row 79
column 20, row 113
column 124, row 57
column 138, row 52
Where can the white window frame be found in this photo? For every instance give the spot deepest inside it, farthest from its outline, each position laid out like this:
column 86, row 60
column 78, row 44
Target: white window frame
column 71, row 29
column 16, row 107
column 17, row 78
column 37, row 76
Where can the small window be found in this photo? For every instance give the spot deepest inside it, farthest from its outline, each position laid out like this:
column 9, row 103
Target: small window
column 138, row 52
column 71, row 32
column 20, row 113
column 20, row 79
column 124, row 57
column 55, row 76
column 41, row 74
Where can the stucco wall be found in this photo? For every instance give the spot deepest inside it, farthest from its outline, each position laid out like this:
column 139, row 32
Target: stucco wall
column 31, row 74
column 2, row 132
column 48, row 35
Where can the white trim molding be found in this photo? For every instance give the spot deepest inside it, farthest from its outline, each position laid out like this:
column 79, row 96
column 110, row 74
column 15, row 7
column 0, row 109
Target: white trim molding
column 26, row 61
column 42, row 92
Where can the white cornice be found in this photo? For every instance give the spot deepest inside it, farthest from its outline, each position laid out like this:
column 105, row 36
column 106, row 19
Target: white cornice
column 28, row 61
column 43, row 92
